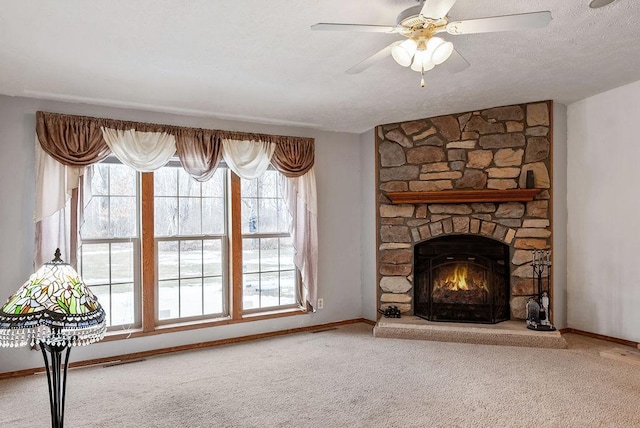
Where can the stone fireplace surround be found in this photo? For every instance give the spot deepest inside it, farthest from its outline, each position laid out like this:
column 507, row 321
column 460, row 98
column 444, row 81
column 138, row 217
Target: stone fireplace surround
column 489, row 149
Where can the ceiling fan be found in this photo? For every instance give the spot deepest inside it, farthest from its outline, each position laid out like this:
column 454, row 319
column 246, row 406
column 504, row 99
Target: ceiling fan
column 423, row 49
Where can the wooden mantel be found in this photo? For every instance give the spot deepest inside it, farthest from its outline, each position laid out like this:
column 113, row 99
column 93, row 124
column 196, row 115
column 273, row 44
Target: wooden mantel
column 463, row 196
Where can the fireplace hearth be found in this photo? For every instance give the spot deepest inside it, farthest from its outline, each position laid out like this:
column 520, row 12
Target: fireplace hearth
column 462, row 278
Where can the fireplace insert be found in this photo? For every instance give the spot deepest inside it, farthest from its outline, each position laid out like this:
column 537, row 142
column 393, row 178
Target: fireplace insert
column 462, row 278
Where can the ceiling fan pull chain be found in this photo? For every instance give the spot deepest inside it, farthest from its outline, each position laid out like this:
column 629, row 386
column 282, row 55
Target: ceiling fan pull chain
column 422, row 78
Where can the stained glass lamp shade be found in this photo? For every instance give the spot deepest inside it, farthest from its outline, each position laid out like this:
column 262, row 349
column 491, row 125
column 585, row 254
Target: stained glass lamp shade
column 55, row 310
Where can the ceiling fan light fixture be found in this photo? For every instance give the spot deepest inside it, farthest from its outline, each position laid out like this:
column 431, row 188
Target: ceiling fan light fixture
column 404, row 52
column 442, row 53
column 422, row 61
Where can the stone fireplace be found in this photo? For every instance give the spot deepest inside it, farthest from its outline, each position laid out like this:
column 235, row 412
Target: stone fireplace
column 449, row 178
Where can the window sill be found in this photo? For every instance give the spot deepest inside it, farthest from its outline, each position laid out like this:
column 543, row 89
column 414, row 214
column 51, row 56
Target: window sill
column 193, row 325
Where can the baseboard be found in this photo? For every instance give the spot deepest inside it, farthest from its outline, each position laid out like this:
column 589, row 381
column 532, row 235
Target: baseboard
column 201, row 345
column 601, row 337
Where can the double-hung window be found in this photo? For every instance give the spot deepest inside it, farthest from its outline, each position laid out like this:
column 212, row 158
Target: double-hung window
column 109, row 257
column 190, row 223
column 269, row 275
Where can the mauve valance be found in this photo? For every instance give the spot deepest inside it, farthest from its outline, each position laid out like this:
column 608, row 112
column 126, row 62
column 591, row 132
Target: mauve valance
column 293, row 157
column 78, row 141
column 71, row 140
column 199, row 151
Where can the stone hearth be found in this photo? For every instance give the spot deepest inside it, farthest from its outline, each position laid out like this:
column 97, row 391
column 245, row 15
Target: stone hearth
column 507, row 333
column 484, row 150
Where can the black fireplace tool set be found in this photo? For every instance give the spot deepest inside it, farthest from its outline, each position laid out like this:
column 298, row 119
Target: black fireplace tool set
column 538, row 305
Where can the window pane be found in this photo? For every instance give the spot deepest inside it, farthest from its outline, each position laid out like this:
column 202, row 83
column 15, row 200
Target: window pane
column 189, row 219
column 122, row 262
column 165, row 182
column 268, row 184
column 190, row 259
column 249, row 215
column 250, row 291
column 269, row 255
column 103, row 296
column 100, row 179
column 190, row 297
column 187, row 186
column 213, row 217
column 214, row 187
column 250, row 255
column 122, row 182
column 122, row 304
column 269, row 289
column 284, row 218
column 288, row 287
column 167, row 260
column 96, row 218
column 212, row 258
column 213, row 296
column 286, row 254
column 166, row 216
column 268, row 217
column 249, row 188
column 123, row 216
column 168, row 300
column 94, row 264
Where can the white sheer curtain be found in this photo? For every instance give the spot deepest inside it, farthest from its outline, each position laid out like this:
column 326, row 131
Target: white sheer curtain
column 54, row 186
column 142, row 151
column 248, row 159
column 301, row 199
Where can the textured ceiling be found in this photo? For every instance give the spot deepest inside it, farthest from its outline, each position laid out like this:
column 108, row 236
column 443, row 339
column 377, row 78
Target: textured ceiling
column 259, row 61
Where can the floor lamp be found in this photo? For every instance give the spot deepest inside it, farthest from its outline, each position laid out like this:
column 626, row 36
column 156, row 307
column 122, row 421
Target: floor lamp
column 55, row 310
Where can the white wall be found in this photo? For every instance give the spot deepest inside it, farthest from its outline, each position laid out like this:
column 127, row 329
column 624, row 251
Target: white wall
column 559, row 215
column 339, row 188
column 603, row 290
column 368, row 226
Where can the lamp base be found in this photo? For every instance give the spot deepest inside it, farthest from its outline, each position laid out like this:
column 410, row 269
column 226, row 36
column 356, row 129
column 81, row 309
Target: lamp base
column 56, row 378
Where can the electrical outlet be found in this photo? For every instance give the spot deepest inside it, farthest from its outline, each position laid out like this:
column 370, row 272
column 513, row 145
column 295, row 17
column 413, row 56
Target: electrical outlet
column 320, row 303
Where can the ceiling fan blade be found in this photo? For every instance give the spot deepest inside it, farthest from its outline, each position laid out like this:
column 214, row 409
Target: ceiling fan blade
column 378, row 56
column 520, row 21
column 324, row 26
column 436, row 9
column 456, row 63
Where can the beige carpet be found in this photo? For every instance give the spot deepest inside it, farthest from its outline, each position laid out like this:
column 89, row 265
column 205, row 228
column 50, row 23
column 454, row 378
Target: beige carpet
column 344, row 378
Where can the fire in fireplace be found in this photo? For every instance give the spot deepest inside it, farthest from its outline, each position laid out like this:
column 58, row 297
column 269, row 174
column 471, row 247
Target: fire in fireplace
column 460, row 283
column 462, row 278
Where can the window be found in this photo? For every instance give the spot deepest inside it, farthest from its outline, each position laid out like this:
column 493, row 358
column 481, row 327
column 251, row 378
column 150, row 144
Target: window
column 269, row 275
column 109, row 254
column 179, row 252
column 190, row 240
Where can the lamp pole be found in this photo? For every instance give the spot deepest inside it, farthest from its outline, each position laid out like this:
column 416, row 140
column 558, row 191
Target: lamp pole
column 56, row 376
